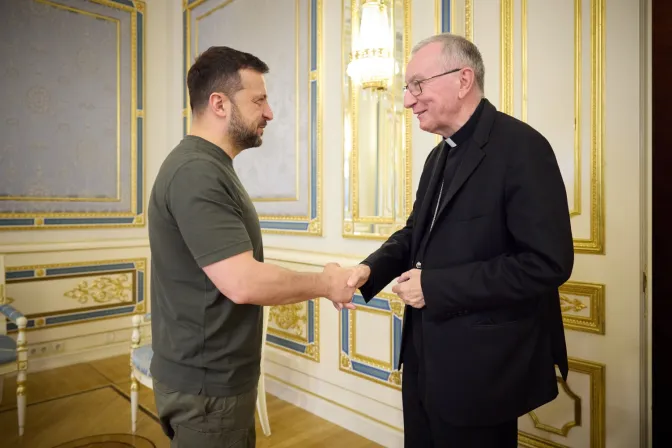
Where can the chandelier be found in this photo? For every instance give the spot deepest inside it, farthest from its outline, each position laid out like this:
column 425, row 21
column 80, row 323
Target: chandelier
column 371, row 62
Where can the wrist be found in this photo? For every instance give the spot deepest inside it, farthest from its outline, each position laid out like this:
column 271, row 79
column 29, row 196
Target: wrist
column 323, row 284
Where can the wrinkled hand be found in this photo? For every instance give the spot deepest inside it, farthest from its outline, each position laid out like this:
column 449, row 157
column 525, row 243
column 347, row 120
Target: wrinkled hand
column 358, row 276
column 409, row 288
column 338, row 290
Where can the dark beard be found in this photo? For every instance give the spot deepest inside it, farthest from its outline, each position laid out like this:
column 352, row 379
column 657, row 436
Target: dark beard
column 242, row 136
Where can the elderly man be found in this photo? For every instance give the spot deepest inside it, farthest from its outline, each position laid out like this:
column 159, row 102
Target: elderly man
column 478, row 263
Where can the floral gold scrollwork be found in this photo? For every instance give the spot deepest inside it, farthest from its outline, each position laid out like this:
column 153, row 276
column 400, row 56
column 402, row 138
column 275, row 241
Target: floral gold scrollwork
column 290, row 318
column 311, row 350
column 345, row 361
column 103, row 290
column 569, row 304
column 395, row 377
column 397, row 307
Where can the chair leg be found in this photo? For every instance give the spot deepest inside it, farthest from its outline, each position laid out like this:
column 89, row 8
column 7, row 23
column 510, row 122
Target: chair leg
column 261, row 388
column 21, row 406
column 261, row 405
column 134, row 403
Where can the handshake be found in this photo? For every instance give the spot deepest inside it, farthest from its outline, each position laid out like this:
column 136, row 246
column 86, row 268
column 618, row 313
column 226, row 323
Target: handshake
column 341, row 283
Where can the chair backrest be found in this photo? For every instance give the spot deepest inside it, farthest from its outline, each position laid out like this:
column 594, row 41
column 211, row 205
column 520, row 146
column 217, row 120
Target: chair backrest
column 3, row 297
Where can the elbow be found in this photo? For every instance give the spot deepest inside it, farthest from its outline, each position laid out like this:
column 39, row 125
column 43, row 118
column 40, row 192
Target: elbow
column 241, row 296
column 238, row 293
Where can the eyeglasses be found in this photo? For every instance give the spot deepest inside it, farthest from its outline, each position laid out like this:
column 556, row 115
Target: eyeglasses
column 415, row 87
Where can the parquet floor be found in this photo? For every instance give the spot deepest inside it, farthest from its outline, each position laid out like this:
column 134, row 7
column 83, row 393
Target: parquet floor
column 87, row 405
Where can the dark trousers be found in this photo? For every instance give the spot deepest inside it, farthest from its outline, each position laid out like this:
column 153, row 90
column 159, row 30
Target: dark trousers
column 197, row 421
column 424, row 428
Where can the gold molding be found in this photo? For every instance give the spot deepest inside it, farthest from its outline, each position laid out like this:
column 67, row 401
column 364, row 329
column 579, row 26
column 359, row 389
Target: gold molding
column 44, row 272
column 350, row 115
column 117, row 24
column 314, row 226
column 506, row 56
column 595, row 243
column 597, row 375
column 568, row 425
column 595, row 295
column 345, row 364
column 312, row 348
column 136, row 212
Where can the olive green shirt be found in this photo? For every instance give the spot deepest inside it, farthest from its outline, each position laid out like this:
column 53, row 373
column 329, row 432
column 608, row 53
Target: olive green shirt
column 199, row 213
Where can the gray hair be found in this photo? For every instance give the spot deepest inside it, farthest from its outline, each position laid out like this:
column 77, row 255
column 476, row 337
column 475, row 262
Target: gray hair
column 460, row 51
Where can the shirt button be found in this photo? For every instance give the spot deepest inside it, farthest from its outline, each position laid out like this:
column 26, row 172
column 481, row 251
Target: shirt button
column 418, row 265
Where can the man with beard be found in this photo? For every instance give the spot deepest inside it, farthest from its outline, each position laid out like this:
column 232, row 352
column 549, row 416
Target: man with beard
column 208, row 280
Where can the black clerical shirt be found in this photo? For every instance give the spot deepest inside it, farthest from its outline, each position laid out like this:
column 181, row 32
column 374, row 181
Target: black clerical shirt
column 453, row 148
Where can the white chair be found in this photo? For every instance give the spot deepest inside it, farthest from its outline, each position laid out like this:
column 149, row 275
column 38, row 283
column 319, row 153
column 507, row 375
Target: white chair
column 13, row 353
column 141, row 358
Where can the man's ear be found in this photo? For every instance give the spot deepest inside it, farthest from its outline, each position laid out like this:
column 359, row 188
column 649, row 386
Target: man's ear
column 467, row 80
column 219, row 104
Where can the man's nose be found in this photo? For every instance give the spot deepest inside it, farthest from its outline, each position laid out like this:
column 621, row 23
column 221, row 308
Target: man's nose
column 409, row 100
column 268, row 113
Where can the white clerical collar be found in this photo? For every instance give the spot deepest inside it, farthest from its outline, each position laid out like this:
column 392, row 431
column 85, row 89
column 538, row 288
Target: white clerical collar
column 450, row 142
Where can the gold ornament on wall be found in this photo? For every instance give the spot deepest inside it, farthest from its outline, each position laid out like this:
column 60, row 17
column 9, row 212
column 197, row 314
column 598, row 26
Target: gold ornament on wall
column 569, row 304
column 290, row 318
column 103, row 290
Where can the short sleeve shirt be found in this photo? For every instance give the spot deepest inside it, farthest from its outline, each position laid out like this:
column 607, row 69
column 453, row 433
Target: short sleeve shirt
column 199, row 213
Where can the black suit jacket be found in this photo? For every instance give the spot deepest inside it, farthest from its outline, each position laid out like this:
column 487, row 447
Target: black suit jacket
column 500, row 248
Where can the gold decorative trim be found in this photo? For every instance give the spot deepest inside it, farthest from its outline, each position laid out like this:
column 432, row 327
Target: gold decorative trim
column 87, row 220
column 45, row 272
column 595, row 296
column 568, row 425
column 350, row 95
column 104, row 290
column 468, row 19
column 506, row 56
column 290, row 317
column 595, row 243
column 314, row 227
column 396, row 311
column 597, row 375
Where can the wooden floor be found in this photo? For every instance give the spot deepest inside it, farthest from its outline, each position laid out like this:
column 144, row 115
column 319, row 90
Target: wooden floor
column 87, row 405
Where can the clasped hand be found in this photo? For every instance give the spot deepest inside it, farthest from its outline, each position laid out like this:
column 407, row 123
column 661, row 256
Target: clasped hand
column 344, row 282
column 409, row 288
column 339, row 290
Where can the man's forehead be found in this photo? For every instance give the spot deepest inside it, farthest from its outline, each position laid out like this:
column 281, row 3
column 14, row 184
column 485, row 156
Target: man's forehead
column 252, row 80
column 424, row 62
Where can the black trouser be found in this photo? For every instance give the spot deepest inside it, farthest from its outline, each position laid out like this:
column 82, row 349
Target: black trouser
column 424, row 427
column 196, row 421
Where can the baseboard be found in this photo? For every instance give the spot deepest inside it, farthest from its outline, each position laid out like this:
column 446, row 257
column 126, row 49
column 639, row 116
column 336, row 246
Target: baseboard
column 332, row 411
column 85, row 347
column 77, row 357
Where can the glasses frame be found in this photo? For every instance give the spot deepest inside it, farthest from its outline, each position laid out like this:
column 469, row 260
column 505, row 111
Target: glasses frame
column 418, row 83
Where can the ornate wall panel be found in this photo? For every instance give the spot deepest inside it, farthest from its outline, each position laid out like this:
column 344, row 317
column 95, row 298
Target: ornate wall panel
column 295, row 328
column 61, row 294
column 372, row 355
column 573, row 83
column 576, row 418
column 377, row 166
column 583, row 306
column 454, row 16
column 284, row 175
column 72, row 152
